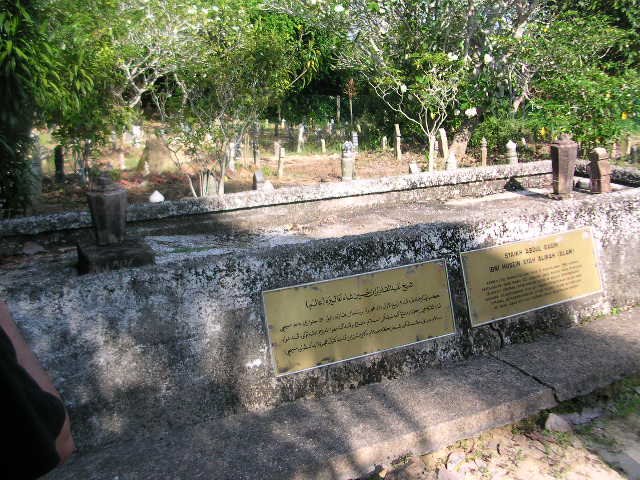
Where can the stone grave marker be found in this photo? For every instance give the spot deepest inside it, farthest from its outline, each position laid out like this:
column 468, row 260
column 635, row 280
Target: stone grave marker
column 564, row 153
column 512, row 153
column 348, row 161
column 398, row 142
column 443, row 143
column 599, row 171
column 281, row 156
column 108, row 207
column 483, row 152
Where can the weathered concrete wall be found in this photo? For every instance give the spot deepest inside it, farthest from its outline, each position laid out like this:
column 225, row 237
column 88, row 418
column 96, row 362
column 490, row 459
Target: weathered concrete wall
column 145, row 349
column 216, row 212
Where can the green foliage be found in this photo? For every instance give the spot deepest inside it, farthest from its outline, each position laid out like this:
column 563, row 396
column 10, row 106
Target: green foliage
column 595, row 107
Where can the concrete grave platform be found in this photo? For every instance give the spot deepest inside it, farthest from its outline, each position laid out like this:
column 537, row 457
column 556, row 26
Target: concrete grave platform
column 141, row 351
column 342, row 436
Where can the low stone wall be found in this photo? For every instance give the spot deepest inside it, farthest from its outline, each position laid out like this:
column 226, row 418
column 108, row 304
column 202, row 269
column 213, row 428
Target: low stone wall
column 71, row 227
column 143, row 350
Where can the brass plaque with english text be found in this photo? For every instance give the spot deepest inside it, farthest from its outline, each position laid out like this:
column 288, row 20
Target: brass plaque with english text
column 326, row 322
column 518, row 277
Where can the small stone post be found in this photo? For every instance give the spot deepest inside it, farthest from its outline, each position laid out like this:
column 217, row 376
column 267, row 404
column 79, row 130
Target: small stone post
column 281, row 162
column 452, row 161
column 398, row 142
column 635, row 154
column 563, row 163
column 433, row 154
column 276, row 150
column 599, row 171
column 512, row 153
column 108, row 206
column 323, row 145
column 348, row 161
column 354, row 140
column 384, row 143
column 121, row 160
column 483, row 152
column 300, row 144
column 58, row 159
column 414, row 168
column 444, row 143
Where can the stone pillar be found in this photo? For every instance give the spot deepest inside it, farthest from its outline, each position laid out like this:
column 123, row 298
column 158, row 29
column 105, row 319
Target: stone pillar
column 108, row 206
column 354, row 140
column 338, row 109
column 563, row 163
column 452, row 161
column 276, row 150
column 300, row 144
column 414, row 168
column 384, row 143
column 281, row 162
column 348, row 161
column 483, row 152
column 398, row 142
column 58, row 159
column 512, row 153
column 444, row 143
column 599, row 171
column 635, row 154
column 433, row 154
column 323, row 145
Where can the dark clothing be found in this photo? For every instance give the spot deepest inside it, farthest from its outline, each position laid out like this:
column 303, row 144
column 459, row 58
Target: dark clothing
column 30, row 420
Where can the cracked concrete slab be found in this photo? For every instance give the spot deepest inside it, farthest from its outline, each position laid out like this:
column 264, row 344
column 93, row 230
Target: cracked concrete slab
column 577, row 361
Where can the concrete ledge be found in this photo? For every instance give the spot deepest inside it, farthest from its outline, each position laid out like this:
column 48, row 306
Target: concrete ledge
column 345, row 435
column 579, row 360
column 333, row 437
column 285, row 195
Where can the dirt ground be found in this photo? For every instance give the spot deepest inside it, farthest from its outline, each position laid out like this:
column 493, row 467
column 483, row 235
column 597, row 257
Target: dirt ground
column 603, row 443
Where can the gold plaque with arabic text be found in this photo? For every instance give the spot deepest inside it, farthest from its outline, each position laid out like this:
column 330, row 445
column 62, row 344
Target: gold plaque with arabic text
column 519, row 277
column 330, row 321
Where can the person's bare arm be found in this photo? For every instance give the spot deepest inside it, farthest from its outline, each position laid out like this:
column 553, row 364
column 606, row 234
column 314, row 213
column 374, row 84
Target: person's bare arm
column 27, row 359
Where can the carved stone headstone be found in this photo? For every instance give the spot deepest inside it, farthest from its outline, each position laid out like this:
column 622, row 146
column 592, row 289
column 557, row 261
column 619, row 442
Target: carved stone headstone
column 348, row 161
column 384, row 143
column 563, row 163
column 483, row 152
column 108, row 206
column 323, row 145
column 599, row 171
column 414, row 168
column 512, row 153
